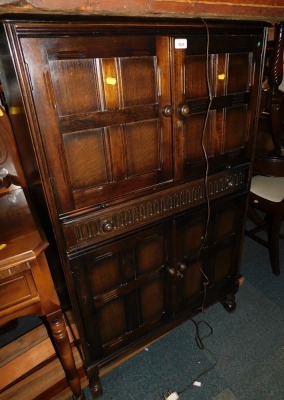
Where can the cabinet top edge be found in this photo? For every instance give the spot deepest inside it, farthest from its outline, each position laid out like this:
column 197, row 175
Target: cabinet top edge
column 50, row 25
column 123, row 20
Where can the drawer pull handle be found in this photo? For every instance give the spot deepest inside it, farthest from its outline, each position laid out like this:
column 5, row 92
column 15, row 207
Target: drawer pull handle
column 107, row 226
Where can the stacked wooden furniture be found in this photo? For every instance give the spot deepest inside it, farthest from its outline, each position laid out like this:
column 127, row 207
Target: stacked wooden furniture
column 143, row 133
column 26, row 286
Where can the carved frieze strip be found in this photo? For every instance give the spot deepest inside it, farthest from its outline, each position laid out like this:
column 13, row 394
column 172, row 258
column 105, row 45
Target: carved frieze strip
column 101, row 225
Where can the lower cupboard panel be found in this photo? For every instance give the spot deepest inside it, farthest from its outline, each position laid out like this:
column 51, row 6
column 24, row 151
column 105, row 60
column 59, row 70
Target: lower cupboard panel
column 136, row 286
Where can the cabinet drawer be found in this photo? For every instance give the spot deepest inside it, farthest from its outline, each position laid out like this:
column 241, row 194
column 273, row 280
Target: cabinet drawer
column 104, row 224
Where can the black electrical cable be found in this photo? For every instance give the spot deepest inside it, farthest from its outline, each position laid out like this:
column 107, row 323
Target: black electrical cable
column 205, row 125
column 198, row 338
column 199, row 341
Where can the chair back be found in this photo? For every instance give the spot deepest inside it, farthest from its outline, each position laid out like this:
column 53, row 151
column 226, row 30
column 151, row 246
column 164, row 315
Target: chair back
column 269, row 157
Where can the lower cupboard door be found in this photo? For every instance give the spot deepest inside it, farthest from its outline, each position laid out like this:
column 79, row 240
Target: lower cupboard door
column 222, row 258
column 207, row 271
column 123, row 290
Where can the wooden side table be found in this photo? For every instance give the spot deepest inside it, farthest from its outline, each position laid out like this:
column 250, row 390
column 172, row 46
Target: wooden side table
column 26, row 286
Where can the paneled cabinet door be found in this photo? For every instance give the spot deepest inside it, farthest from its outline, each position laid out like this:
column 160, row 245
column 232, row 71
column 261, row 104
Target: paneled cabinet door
column 206, row 274
column 223, row 78
column 101, row 105
column 124, row 289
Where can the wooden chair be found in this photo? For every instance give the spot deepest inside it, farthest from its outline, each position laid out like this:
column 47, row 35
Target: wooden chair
column 266, row 211
column 266, row 202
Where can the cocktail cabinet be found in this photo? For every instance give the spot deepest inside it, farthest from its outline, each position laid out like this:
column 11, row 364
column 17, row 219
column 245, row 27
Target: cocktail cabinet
column 140, row 135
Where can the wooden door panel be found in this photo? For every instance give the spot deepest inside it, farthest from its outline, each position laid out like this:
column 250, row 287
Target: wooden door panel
column 221, row 259
column 194, row 125
column 142, row 148
column 138, row 80
column 224, row 83
column 87, row 171
column 191, row 286
column 216, row 264
column 102, row 102
column 112, row 320
column 75, row 86
column 190, row 231
column 152, row 300
column 124, row 288
column 239, row 72
column 195, row 76
column 222, row 264
column 236, row 128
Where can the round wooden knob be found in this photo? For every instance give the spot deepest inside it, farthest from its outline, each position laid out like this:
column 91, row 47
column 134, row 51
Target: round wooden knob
column 107, row 226
column 184, row 110
column 167, row 111
column 171, row 271
column 182, row 266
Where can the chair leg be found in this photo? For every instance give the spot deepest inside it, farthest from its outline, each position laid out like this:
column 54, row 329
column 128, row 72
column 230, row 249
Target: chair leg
column 256, row 218
column 273, row 240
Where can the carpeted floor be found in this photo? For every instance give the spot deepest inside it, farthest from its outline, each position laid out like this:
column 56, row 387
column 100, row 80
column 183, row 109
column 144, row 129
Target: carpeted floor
column 248, row 345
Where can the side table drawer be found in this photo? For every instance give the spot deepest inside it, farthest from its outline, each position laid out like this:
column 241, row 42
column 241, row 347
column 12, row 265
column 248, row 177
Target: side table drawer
column 17, row 292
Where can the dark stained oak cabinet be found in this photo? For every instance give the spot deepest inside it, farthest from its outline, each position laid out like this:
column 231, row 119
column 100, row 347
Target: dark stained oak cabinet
column 141, row 135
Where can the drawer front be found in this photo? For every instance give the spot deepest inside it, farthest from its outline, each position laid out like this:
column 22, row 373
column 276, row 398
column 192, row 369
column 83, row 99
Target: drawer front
column 17, row 292
column 104, row 224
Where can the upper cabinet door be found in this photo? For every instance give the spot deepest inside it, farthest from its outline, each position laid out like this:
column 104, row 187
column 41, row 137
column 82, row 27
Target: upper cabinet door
column 216, row 84
column 101, row 105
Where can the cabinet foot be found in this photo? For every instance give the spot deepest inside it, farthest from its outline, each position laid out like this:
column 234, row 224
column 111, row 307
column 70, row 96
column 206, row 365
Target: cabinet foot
column 95, row 388
column 229, row 303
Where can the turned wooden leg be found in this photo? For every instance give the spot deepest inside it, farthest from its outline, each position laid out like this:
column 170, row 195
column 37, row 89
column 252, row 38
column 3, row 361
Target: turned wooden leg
column 65, row 354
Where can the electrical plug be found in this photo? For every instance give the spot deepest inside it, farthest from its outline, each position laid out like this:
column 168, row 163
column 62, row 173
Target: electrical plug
column 170, row 395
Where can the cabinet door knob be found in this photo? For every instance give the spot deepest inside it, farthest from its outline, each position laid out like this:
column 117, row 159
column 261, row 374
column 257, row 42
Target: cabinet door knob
column 171, row 271
column 167, row 111
column 107, row 226
column 182, row 266
column 184, row 110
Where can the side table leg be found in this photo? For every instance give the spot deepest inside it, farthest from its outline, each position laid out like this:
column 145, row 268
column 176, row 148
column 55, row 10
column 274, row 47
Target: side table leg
column 61, row 341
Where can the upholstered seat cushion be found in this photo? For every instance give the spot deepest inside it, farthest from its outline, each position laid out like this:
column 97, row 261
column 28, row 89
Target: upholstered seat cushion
column 267, row 187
